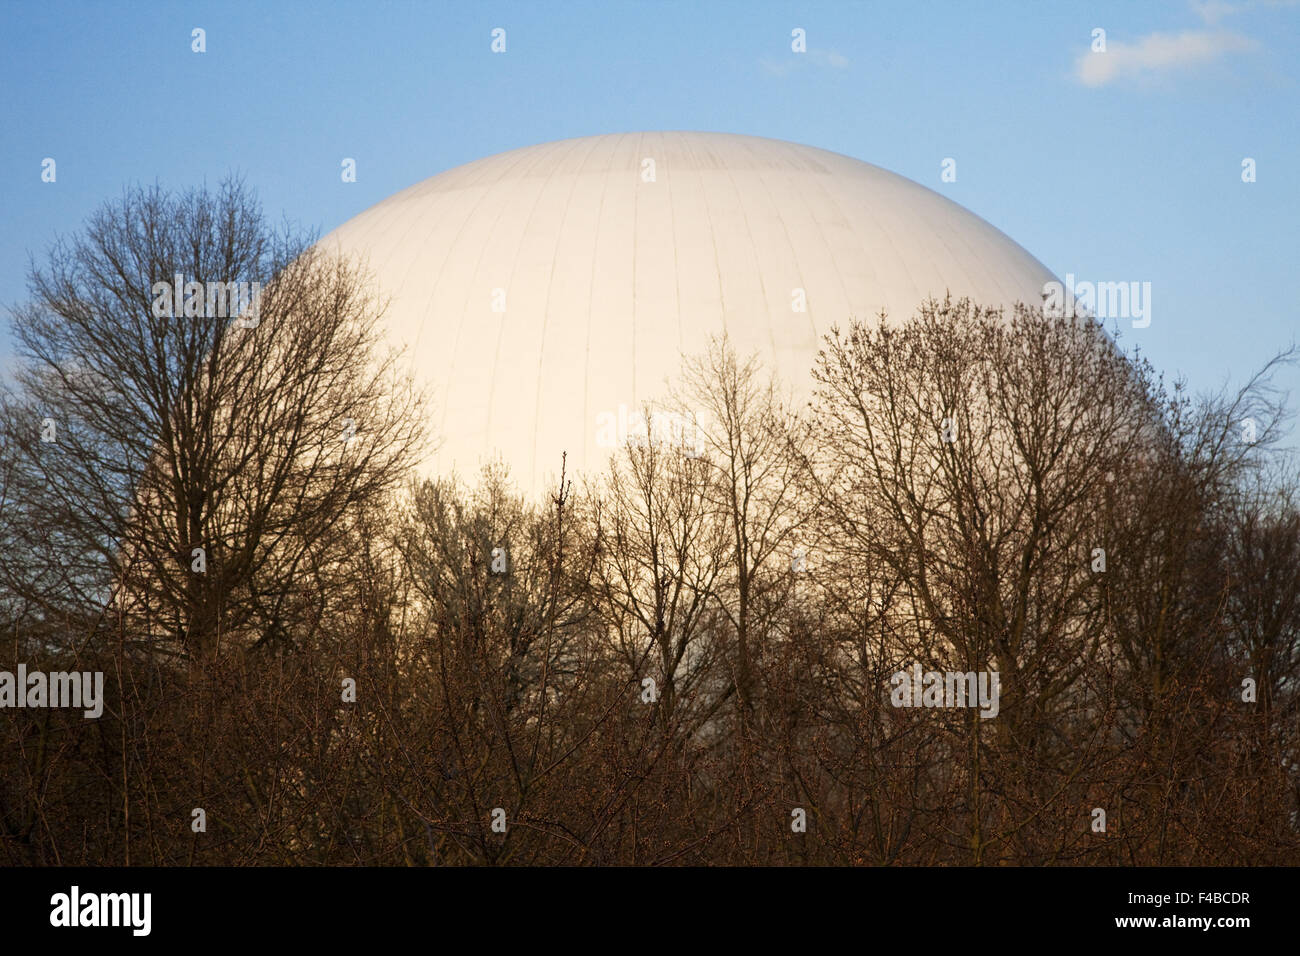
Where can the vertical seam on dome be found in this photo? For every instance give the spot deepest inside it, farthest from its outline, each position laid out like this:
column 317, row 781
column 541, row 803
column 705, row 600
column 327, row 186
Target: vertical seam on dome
column 382, row 219
column 474, row 181
column 794, row 254
column 550, row 284
column 401, row 203
column 478, row 262
column 975, row 254
column 455, row 243
column 713, row 238
column 672, row 236
column 636, row 204
column 881, row 231
column 510, row 275
column 830, row 251
column 941, row 235
column 758, row 265
column 591, row 298
column 414, row 262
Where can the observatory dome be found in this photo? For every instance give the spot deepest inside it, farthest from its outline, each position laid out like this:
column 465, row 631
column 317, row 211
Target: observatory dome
column 542, row 291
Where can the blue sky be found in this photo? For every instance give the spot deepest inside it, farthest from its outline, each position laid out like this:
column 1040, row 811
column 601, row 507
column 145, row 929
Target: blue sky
column 1127, row 168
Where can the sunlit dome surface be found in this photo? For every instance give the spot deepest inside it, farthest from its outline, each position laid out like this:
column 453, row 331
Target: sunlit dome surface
column 608, row 274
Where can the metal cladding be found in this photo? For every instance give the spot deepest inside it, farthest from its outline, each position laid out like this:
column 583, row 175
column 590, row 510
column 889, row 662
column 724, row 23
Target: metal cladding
column 542, row 291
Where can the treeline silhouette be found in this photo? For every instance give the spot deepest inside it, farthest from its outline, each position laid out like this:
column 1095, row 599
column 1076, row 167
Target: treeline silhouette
column 684, row 659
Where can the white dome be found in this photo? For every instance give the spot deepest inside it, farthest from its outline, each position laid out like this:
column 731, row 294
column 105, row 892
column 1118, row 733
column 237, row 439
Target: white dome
column 607, row 278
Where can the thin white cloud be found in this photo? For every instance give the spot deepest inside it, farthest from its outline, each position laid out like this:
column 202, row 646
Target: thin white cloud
column 1212, row 11
column 1158, row 53
column 784, row 67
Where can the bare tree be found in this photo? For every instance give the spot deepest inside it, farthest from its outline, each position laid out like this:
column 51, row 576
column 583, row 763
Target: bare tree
column 196, row 453
column 752, row 443
column 661, row 549
column 690, row 662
